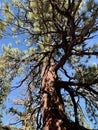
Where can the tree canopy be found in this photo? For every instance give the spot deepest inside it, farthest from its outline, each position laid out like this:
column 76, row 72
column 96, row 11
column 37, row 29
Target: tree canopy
column 58, row 35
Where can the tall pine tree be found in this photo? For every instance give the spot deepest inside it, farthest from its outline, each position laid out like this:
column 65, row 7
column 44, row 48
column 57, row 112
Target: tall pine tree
column 58, row 35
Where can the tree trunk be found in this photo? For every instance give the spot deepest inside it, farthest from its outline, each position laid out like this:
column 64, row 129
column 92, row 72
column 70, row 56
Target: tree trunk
column 53, row 111
column 53, row 106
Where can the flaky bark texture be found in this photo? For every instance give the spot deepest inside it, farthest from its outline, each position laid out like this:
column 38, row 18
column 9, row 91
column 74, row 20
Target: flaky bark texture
column 53, row 112
column 53, row 107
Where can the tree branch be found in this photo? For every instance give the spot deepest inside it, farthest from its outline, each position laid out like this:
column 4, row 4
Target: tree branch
column 85, row 53
column 72, row 125
column 75, row 106
column 66, row 84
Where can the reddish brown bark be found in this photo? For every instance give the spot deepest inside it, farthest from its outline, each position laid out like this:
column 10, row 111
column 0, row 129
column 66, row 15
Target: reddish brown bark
column 53, row 112
column 53, row 107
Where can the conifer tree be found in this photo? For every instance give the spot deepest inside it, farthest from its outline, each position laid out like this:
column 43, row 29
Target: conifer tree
column 58, row 35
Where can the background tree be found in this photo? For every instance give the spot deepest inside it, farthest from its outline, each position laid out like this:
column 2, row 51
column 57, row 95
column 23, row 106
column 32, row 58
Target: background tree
column 26, row 116
column 58, row 35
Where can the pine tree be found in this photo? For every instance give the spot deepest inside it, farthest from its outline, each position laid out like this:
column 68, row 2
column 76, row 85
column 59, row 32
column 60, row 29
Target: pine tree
column 58, row 35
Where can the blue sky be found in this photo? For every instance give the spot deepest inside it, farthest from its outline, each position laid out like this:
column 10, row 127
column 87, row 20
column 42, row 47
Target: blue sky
column 15, row 94
column 22, row 46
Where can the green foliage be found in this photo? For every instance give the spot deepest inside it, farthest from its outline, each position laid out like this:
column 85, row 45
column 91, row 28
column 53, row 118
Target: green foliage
column 86, row 74
column 52, row 30
column 7, row 12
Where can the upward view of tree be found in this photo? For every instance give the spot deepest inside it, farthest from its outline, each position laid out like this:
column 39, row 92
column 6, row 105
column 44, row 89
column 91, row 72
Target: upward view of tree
column 58, row 34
